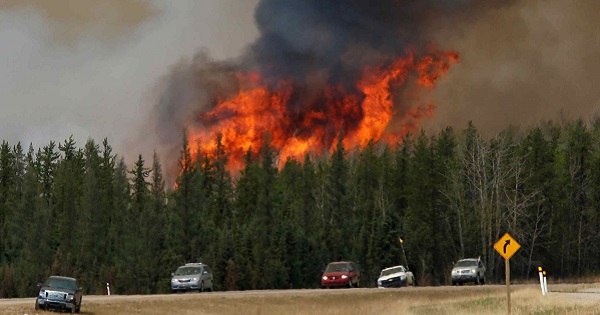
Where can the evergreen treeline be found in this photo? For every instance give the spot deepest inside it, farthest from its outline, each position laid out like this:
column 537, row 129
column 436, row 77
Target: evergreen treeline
column 82, row 212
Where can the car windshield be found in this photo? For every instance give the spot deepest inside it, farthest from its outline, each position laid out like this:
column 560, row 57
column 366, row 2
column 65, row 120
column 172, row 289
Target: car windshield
column 466, row 263
column 61, row 283
column 336, row 267
column 390, row 271
column 186, row 271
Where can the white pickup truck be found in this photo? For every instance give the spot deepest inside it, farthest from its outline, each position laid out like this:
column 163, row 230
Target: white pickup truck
column 395, row 277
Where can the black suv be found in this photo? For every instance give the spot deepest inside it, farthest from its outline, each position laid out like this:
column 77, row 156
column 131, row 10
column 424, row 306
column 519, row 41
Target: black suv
column 59, row 293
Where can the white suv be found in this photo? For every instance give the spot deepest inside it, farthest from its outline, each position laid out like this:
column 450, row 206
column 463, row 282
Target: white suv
column 192, row 276
column 468, row 270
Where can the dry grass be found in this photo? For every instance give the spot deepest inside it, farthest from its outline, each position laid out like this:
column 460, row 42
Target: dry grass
column 419, row 301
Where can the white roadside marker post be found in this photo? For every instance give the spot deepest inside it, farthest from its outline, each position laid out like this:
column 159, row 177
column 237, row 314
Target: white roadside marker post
column 541, row 281
column 108, row 288
column 545, row 284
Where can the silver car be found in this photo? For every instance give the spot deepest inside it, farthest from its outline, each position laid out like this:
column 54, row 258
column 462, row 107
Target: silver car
column 468, row 270
column 192, row 276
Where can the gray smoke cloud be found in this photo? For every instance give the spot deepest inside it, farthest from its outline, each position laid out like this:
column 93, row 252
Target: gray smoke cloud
column 340, row 38
column 314, row 44
column 140, row 71
column 522, row 64
column 88, row 68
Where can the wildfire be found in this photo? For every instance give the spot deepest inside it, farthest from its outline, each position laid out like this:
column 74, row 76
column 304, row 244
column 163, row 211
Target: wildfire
column 298, row 124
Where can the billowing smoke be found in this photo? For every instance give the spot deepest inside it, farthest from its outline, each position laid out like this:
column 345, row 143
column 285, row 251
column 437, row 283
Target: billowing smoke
column 87, row 68
column 314, row 49
column 521, row 65
column 90, row 68
column 336, row 39
column 521, row 62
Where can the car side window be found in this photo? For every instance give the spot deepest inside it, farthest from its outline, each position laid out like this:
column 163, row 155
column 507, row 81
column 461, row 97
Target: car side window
column 207, row 269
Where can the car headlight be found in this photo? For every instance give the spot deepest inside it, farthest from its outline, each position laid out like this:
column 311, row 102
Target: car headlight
column 454, row 272
column 42, row 293
column 173, row 280
column 325, row 278
column 69, row 297
column 472, row 270
column 344, row 276
column 194, row 279
column 402, row 277
column 378, row 282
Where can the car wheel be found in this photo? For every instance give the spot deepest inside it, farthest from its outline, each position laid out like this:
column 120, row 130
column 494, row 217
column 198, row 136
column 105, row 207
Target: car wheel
column 350, row 284
column 414, row 283
column 483, row 280
column 37, row 306
column 477, row 281
column 201, row 287
column 73, row 310
column 460, row 283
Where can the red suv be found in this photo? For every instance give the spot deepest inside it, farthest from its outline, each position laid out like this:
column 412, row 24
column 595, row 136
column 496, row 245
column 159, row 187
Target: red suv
column 340, row 274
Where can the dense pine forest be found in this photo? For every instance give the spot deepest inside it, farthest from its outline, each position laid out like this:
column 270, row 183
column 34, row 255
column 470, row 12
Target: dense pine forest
column 82, row 212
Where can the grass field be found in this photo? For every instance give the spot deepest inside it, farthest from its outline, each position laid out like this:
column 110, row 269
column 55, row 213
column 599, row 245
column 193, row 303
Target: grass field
column 423, row 301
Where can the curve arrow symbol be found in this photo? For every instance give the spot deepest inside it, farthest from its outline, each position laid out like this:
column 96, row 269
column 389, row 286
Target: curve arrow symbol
column 506, row 243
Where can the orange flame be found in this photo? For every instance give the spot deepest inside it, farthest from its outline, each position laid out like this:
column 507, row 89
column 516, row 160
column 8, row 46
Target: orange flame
column 363, row 114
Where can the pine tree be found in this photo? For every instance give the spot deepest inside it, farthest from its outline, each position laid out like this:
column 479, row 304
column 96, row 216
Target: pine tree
column 120, row 233
column 142, row 217
column 159, row 272
column 69, row 180
column 7, row 202
column 33, row 217
column 367, row 216
column 246, row 192
column 336, row 204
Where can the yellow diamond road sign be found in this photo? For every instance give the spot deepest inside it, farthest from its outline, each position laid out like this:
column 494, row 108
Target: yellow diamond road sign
column 506, row 246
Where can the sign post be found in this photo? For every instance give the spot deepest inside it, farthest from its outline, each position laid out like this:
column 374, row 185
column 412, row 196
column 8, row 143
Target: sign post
column 507, row 272
column 403, row 252
column 507, row 247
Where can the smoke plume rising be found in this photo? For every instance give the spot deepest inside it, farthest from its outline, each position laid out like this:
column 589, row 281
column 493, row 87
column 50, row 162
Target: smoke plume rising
column 311, row 56
column 87, row 68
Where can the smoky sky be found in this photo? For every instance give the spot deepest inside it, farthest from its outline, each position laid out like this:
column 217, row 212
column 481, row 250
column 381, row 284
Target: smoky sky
column 89, row 68
column 138, row 72
column 340, row 38
column 312, row 44
column 521, row 65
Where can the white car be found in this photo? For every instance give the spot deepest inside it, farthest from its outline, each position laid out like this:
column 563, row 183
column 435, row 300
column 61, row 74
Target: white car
column 395, row 277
